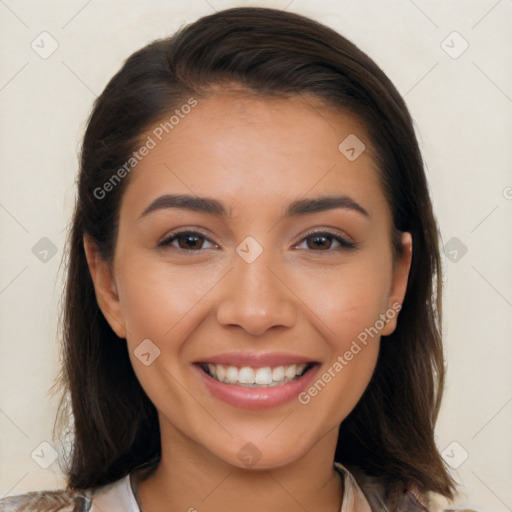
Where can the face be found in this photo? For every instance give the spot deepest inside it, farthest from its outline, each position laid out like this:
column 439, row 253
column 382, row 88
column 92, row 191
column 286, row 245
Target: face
column 258, row 283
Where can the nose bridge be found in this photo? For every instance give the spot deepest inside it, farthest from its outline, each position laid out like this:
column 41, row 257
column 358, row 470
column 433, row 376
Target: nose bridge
column 253, row 269
column 255, row 297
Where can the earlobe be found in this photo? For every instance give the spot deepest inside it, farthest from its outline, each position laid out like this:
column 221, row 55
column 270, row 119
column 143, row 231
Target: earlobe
column 104, row 287
column 399, row 284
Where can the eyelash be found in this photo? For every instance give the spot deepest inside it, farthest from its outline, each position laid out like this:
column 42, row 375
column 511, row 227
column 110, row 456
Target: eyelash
column 167, row 240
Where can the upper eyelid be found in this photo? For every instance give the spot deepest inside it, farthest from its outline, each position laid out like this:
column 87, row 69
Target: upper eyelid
column 327, row 231
column 173, row 234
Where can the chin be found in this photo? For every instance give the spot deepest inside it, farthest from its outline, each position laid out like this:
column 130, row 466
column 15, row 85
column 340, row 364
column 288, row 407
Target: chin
column 265, row 455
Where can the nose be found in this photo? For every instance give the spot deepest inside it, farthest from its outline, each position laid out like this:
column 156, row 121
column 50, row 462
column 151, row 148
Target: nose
column 256, row 296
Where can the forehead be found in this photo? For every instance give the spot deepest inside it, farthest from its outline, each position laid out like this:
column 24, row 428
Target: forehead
column 251, row 151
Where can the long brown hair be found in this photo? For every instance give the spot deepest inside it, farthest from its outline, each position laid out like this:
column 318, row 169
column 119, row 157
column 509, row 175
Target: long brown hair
column 390, row 433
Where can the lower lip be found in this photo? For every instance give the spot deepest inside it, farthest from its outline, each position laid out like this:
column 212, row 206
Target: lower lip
column 256, row 398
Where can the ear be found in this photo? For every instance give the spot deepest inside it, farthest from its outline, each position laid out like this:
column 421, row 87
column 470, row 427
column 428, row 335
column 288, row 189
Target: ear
column 104, row 287
column 399, row 284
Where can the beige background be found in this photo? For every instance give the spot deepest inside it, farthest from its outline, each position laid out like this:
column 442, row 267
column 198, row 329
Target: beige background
column 463, row 111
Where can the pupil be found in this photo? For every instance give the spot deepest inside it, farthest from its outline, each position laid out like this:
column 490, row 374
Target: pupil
column 192, row 240
column 319, row 244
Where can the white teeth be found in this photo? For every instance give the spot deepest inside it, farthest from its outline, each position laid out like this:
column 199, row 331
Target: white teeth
column 221, row 372
column 263, row 376
column 246, row 375
column 290, row 371
column 253, row 377
column 278, row 373
column 231, row 374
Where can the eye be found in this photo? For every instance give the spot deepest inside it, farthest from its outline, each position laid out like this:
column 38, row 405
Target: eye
column 191, row 241
column 321, row 241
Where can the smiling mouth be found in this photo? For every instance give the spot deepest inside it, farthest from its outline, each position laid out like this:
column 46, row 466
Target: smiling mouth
column 256, row 377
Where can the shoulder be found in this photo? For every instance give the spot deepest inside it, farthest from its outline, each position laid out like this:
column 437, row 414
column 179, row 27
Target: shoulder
column 47, row 501
column 113, row 497
column 407, row 500
column 377, row 495
column 411, row 500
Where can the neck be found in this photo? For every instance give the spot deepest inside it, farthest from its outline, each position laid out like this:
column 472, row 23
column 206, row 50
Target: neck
column 190, row 479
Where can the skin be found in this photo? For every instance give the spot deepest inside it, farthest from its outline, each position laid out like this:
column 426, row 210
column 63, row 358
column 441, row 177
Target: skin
column 255, row 155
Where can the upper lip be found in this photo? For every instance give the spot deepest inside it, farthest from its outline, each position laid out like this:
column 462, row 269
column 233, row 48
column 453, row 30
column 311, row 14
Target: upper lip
column 252, row 359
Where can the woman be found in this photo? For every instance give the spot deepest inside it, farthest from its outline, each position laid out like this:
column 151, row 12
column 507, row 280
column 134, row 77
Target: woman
column 253, row 301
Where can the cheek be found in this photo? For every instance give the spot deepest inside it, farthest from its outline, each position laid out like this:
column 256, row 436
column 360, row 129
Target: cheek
column 346, row 299
column 156, row 297
column 162, row 304
column 347, row 304
column 349, row 320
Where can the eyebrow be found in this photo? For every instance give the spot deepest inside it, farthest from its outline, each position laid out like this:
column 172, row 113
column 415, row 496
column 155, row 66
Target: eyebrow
column 214, row 207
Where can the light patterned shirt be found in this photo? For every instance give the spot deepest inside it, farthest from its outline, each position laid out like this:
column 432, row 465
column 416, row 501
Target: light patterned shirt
column 120, row 496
